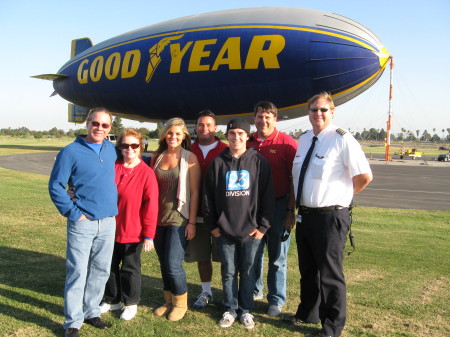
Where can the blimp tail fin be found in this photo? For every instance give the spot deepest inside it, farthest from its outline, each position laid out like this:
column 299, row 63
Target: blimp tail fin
column 80, row 45
column 50, row 77
column 77, row 114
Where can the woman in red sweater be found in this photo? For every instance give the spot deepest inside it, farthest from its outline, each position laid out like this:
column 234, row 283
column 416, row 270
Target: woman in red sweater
column 135, row 225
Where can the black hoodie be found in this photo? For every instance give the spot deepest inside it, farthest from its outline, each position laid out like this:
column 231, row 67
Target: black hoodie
column 238, row 194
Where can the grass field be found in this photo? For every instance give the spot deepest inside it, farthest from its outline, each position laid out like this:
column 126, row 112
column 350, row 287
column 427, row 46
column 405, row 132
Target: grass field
column 18, row 145
column 398, row 278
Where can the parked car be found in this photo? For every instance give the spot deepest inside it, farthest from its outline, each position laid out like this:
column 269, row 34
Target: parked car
column 112, row 138
column 444, row 157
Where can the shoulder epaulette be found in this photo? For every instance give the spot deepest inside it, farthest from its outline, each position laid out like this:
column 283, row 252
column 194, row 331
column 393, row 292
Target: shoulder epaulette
column 304, row 132
column 341, row 131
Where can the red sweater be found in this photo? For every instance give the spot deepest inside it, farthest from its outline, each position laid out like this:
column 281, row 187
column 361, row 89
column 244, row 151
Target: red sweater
column 279, row 149
column 138, row 203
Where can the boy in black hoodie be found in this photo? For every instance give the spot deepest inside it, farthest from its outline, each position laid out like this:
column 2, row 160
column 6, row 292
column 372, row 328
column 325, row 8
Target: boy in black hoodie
column 238, row 202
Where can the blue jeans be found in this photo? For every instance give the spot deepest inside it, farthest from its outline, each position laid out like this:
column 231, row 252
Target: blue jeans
column 170, row 245
column 278, row 252
column 238, row 259
column 90, row 245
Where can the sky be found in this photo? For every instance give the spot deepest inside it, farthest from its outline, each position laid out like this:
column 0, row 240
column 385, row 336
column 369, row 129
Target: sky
column 36, row 39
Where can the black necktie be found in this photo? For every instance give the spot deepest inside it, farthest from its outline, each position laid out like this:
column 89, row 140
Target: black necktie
column 303, row 171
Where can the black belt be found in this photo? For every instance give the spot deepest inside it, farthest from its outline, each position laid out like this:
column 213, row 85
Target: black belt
column 315, row 210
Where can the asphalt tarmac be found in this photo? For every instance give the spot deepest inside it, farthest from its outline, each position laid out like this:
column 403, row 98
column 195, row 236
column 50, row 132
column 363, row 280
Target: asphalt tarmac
column 405, row 184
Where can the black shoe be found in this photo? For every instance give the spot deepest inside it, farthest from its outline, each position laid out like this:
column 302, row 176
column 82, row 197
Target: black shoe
column 97, row 323
column 71, row 332
column 322, row 334
column 294, row 321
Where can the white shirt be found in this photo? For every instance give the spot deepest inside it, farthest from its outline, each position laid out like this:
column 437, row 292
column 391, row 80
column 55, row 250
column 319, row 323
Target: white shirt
column 336, row 159
column 206, row 148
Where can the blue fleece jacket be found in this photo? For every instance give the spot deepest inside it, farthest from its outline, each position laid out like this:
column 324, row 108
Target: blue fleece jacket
column 91, row 176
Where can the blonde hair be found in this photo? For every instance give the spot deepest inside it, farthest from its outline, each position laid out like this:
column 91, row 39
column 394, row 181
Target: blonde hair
column 162, row 144
column 323, row 95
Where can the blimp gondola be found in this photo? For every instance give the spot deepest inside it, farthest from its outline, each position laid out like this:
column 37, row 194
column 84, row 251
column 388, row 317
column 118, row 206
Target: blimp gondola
column 225, row 61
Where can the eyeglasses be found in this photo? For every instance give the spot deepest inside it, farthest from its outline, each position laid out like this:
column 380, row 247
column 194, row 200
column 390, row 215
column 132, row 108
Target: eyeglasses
column 97, row 124
column 317, row 109
column 126, row 146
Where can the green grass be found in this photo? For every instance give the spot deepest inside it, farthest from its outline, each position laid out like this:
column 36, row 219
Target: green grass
column 429, row 149
column 20, row 145
column 398, row 277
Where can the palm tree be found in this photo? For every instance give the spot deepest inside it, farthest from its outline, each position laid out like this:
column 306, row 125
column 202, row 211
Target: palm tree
column 403, row 132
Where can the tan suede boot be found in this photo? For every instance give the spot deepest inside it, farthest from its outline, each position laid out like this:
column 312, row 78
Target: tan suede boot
column 166, row 307
column 179, row 307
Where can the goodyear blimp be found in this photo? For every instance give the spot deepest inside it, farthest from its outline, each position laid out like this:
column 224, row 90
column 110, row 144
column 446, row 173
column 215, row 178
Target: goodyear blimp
column 226, row 61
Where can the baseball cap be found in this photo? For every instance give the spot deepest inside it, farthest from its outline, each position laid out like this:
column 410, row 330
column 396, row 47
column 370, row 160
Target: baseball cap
column 238, row 123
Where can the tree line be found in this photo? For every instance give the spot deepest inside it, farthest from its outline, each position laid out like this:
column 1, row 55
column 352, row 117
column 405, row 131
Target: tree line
column 405, row 135
column 117, row 127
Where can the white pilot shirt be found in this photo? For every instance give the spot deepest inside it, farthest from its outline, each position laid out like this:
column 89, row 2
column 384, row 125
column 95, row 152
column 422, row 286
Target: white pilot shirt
column 335, row 160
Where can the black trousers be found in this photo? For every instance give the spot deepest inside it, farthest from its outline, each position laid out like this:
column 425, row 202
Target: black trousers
column 124, row 283
column 320, row 241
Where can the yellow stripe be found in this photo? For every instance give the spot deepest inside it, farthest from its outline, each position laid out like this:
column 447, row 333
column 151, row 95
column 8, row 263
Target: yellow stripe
column 340, row 93
column 317, row 31
column 299, row 105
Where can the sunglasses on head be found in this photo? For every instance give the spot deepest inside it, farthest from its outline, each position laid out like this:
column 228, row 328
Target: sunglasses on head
column 97, row 124
column 126, row 146
column 317, row 109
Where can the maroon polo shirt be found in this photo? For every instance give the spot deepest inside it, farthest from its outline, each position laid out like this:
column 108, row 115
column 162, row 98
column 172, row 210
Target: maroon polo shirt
column 279, row 149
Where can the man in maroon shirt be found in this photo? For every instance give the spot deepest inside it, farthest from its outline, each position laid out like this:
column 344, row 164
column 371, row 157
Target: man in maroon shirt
column 201, row 249
column 279, row 149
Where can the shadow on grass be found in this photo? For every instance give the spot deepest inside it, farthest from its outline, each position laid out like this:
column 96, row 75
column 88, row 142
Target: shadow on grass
column 39, row 272
column 30, row 317
column 36, row 286
column 33, row 276
column 281, row 322
column 36, row 281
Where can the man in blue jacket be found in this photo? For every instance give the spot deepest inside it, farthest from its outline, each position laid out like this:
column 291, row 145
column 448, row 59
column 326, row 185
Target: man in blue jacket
column 238, row 203
column 86, row 167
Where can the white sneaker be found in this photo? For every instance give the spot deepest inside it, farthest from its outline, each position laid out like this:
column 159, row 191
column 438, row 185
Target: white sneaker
column 258, row 297
column 227, row 320
column 248, row 321
column 274, row 310
column 202, row 300
column 105, row 307
column 128, row 312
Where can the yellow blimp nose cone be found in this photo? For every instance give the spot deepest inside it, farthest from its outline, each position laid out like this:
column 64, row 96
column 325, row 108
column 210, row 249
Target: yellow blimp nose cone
column 383, row 57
